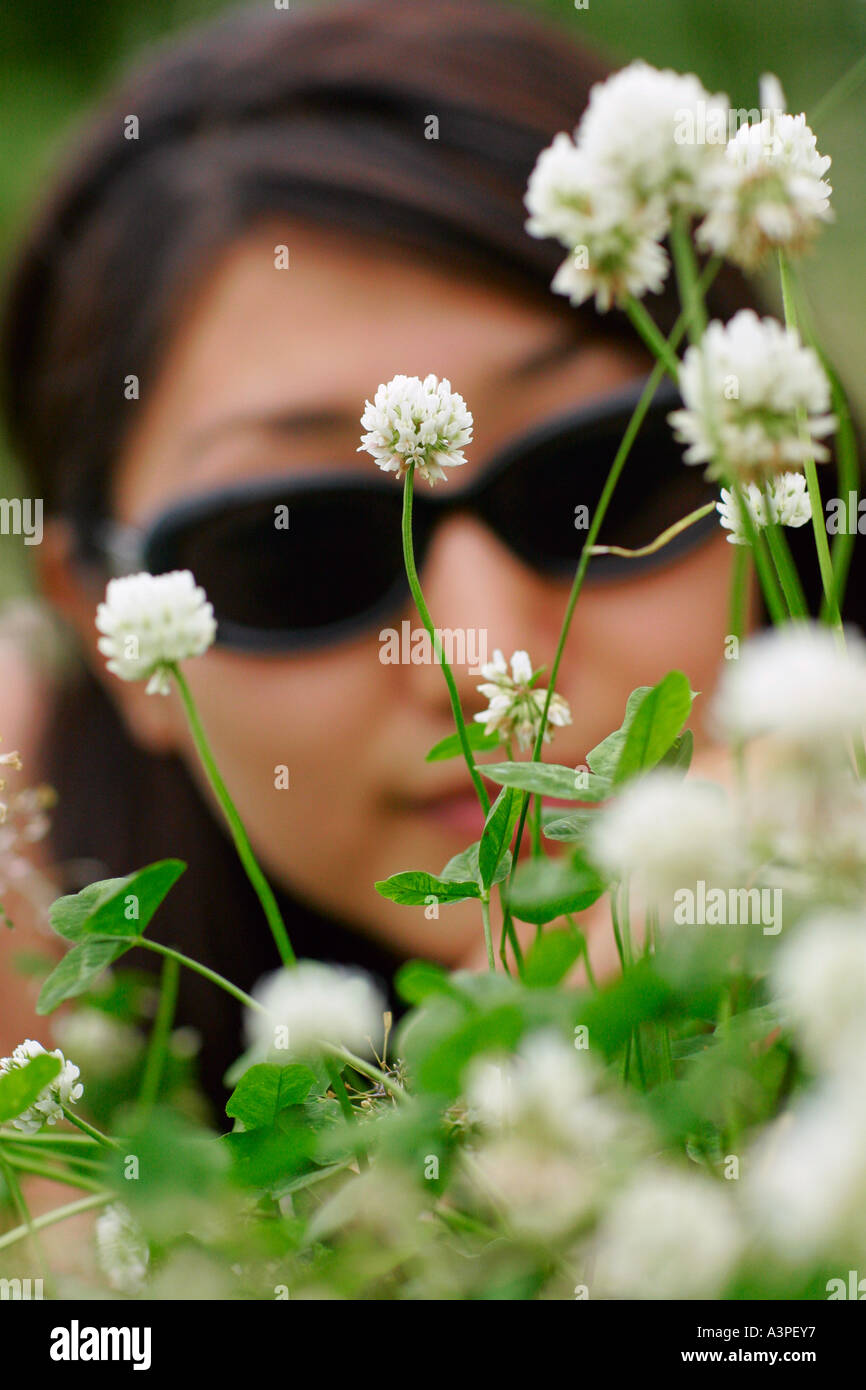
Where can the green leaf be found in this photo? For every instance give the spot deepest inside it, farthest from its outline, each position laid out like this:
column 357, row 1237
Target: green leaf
column 679, row 755
column 414, row 888
column 116, row 906
column 544, row 889
column 465, row 865
column 549, row 779
column 265, row 1090
column 418, row 980
column 604, row 757
column 77, row 971
column 656, row 723
column 551, row 958
column 497, row 833
column 451, row 746
column 571, row 828
column 20, row 1087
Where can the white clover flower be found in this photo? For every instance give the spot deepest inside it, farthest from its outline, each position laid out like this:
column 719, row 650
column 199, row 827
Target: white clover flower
column 796, row 684
column 784, row 499
column 417, row 422
column 671, row 1234
column 545, row 1090
column 804, row 1186
column 65, row 1089
column 612, row 239
column 649, row 129
column 149, row 622
column 515, row 708
column 742, row 387
column 664, row 832
column 546, row 1193
column 121, row 1250
column 768, row 194
column 312, row 1006
column 819, row 978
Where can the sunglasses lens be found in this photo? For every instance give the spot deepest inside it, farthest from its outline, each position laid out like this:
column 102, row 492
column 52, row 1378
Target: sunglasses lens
column 544, row 502
column 292, row 569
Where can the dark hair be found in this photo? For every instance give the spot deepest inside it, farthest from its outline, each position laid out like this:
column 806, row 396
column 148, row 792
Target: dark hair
column 317, row 113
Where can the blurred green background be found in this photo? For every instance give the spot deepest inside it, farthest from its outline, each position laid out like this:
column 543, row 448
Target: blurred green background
column 58, row 58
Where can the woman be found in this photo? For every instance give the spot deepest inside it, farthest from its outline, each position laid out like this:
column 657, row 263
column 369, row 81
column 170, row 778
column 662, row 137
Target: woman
column 270, row 219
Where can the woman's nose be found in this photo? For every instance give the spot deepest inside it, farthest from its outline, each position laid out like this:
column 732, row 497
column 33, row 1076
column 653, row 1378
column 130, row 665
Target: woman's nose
column 481, row 597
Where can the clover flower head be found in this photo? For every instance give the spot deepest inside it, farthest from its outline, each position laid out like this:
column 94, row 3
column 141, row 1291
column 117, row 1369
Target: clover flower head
column 784, row 500
column 121, row 1250
column 643, row 126
column 313, row 1006
column 671, row 1234
column 545, row 1091
column 613, row 239
column 796, row 685
column 769, row 193
column 48, row 1106
column 742, row 387
column 414, row 422
column 516, row 706
column 805, row 1179
column 664, row 832
column 820, row 980
column 150, row 622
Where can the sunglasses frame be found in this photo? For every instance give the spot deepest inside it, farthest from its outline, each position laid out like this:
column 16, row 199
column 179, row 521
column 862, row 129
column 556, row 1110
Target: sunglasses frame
column 130, row 549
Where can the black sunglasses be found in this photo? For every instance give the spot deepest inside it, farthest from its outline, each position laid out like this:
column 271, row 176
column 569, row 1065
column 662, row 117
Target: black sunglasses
column 290, row 563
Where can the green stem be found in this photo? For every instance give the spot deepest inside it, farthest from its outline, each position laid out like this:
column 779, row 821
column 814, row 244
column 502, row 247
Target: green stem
column 51, row 1218
column 737, row 605
column 239, row 834
column 787, row 572
column 584, row 949
column 611, row 481
column 536, row 827
column 848, row 468
column 688, row 277
column 770, row 589
column 89, row 1129
column 191, row 964
column 617, row 936
column 488, row 937
column 159, row 1037
column 24, row 1212
column 652, row 336
column 415, row 587
column 54, row 1173
column 825, row 564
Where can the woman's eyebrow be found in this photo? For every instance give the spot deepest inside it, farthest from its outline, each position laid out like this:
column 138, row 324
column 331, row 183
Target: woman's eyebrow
column 308, row 419
column 305, row 419
column 546, row 355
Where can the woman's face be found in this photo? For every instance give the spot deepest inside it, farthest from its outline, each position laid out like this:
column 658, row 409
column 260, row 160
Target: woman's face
column 268, row 374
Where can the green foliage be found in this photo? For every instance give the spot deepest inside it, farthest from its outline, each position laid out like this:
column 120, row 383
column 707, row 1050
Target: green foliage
column 544, row 889
column 21, row 1086
column 451, row 747
column 265, row 1090
column 93, row 919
